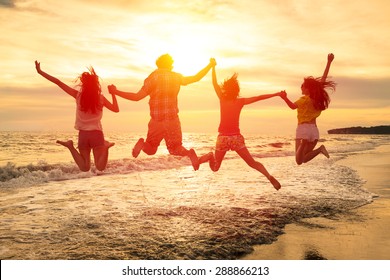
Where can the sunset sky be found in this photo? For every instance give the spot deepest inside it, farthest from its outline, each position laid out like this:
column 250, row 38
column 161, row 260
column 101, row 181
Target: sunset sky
column 271, row 44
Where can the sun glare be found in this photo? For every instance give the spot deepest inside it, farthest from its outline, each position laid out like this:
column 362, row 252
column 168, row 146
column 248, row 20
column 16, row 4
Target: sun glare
column 190, row 52
column 189, row 57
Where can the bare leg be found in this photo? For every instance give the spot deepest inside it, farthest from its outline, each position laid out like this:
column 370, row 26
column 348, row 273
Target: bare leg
column 219, row 156
column 298, row 151
column 183, row 152
column 245, row 155
column 208, row 158
column 312, row 154
column 138, row 147
column 141, row 145
column 324, row 151
column 308, row 151
column 82, row 159
column 194, row 159
column 100, row 155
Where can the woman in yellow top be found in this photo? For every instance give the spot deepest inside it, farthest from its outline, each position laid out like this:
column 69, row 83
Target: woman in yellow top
column 315, row 99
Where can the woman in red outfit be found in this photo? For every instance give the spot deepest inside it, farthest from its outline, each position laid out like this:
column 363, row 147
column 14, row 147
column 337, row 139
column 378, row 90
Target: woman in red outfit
column 229, row 137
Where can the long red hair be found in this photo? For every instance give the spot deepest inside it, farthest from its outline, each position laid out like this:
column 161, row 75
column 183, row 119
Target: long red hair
column 318, row 91
column 90, row 91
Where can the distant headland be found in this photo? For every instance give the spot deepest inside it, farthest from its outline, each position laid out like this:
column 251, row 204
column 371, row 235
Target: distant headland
column 381, row 129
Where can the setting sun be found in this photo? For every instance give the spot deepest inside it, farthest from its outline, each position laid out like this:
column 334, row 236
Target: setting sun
column 187, row 59
column 164, row 154
column 270, row 47
column 190, row 46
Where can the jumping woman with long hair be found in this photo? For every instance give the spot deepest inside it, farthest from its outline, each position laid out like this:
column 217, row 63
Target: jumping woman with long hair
column 315, row 99
column 89, row 112
column 229, row 137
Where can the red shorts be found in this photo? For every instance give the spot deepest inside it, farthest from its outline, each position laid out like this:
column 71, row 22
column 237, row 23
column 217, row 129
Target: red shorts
column 170, row 131
column 89, row 139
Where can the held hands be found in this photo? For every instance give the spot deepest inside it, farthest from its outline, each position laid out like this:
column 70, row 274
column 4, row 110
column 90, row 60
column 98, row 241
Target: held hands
column 112, row 89
column 283, row 94
column 213, row 63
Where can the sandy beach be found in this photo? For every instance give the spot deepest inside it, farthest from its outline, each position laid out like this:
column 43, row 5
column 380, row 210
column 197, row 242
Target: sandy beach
column 361, row 234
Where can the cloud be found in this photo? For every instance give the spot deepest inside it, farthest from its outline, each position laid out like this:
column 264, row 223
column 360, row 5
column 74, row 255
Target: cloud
column 7, row 3
column 271, row 44
column 362, row 93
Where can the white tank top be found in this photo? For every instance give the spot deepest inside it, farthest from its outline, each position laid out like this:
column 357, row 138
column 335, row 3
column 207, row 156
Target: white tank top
column 88, row 120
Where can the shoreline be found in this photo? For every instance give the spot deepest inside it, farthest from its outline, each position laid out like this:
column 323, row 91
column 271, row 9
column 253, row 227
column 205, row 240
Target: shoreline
column 164, row 210
column 360, row 234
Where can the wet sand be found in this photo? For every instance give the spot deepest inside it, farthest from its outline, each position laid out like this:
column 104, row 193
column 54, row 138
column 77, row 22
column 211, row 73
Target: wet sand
column 361, row 234
column 172, row 212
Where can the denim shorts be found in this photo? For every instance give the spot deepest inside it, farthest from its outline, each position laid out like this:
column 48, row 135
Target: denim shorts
column 89, row 139
column 307, row 131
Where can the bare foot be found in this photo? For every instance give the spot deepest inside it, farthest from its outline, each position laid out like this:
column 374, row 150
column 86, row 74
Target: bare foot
column 324, row 151
column 68, row 144
column 138, row 147
column 108, row 144
column 275, row 183
column 194, row 159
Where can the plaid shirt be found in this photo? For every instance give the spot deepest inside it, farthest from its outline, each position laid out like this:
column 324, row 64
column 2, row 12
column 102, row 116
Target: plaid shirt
column 163, row 86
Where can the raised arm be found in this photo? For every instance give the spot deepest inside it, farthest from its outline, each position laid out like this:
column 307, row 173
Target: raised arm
column 192, row 79
column 289, row 103
column 326, row 71
column 71, row 91
column 111, row 106
column 217, row 88
column 254, row 99
column 127, row 95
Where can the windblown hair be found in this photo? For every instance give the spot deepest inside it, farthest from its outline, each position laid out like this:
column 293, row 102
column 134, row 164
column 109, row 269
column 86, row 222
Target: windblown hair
column 318, row 91
column 230, row 88
column 164, row 61
column 90, row 90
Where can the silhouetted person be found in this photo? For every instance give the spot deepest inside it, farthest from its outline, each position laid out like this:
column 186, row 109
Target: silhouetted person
column 229, row 137
column 89, row 112
column 163, row 86
column 315, row 99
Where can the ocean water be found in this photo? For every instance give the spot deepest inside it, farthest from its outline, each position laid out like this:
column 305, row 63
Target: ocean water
column 157, row 207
